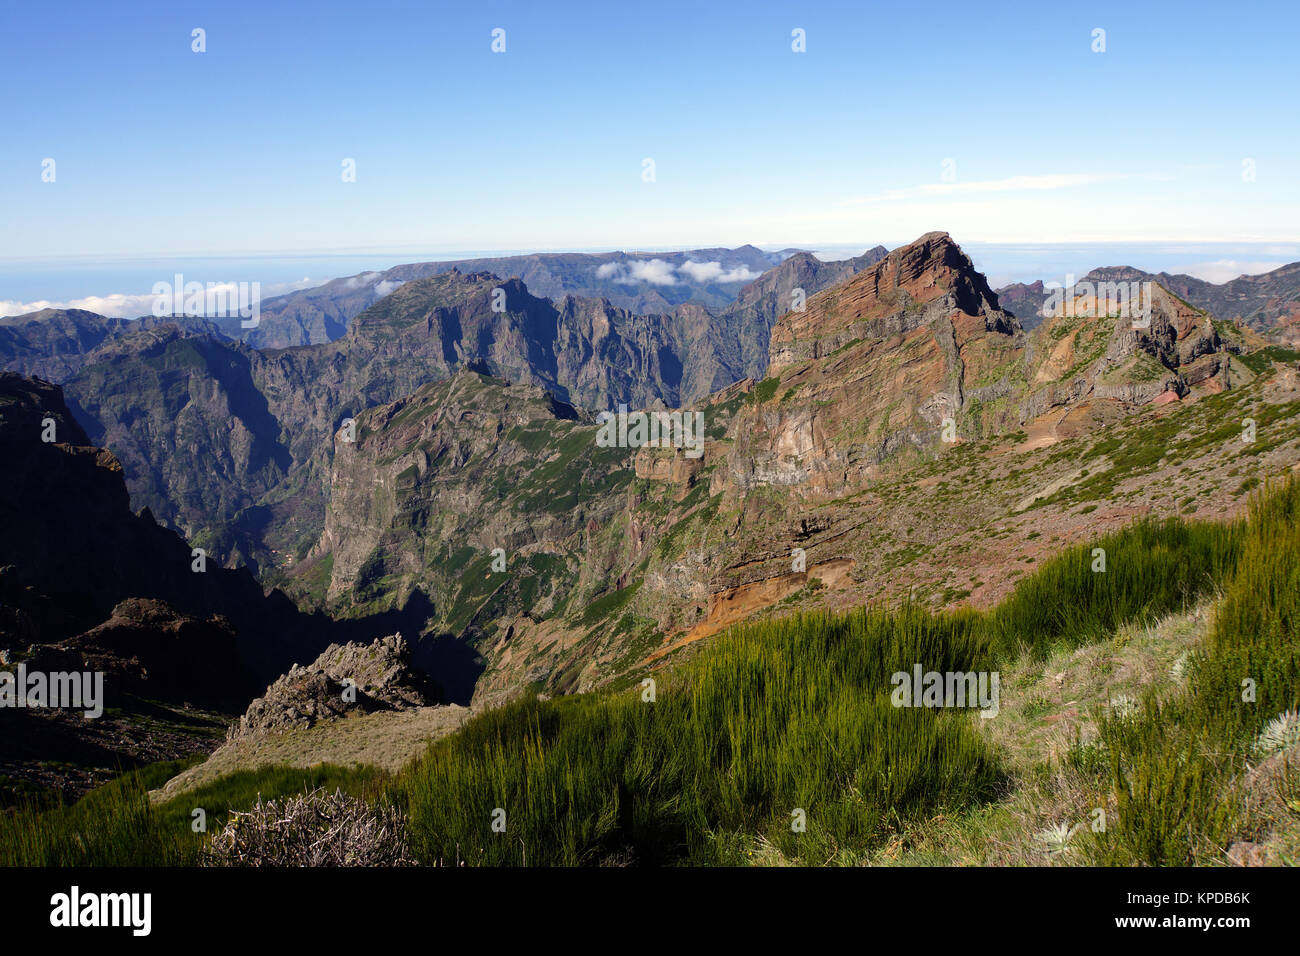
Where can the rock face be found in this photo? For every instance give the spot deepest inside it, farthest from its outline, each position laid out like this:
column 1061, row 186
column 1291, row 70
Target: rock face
column 1025, row 301
column 346, row 678
column 911, row 287
column 880, row 363
column 71, row 550
column 883, row 373
column 1267, row 303
column 230, row 445
column 86, row 585
column 406, row 479
column 872, row 365
column 52, row 343
column 233, row 445
column 763, row 301
column 55, row 343
column 1131, row 356
column 670, row 465
column 148, row 650
column 195, row 396
column 483, row 503
column 892, row 368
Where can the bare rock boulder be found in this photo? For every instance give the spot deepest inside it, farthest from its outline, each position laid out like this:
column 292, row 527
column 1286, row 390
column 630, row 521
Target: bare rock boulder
column 346, row 678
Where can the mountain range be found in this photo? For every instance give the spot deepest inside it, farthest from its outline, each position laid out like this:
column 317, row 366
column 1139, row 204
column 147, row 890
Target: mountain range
column 246, row 430
column 641, row 283
column 1268, row 302
column 879, row 426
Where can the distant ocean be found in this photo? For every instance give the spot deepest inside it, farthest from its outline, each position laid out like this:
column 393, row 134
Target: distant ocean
column 25, row 281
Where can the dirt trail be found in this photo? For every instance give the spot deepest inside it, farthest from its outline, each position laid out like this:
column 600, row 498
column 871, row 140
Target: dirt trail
column 1041, row 432
column 735, row 604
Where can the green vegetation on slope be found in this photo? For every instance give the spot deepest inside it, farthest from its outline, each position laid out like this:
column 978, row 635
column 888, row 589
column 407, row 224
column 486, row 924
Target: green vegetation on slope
column 1150, row 569
column 794, row 715
column 1171, row 762
column 115, row 825
column 782, row 715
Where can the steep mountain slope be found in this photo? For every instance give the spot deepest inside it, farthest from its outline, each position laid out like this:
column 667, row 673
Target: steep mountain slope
column 910, row 436
column 51, row 343
column 437, row 482
column 1268, row 302
column 71, row 550
column 231, row 445
column 55, row 343
column 1025, row 301
column 190, row 426
column 88, row 586
column 584, row 351
column 766, row 299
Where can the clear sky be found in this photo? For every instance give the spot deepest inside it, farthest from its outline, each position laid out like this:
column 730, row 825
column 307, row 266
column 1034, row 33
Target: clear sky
column 238, row 150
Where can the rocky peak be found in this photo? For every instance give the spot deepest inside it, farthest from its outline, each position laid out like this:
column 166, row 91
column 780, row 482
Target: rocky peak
column 912, row 286
column 1090, row 345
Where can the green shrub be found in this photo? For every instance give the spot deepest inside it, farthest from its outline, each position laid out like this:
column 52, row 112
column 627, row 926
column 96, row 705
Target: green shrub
column 1152, row 568
column 776, row 717
column 1175, row 766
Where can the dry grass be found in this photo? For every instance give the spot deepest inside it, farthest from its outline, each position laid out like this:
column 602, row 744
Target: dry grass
column 312, row 829
column 386, row 739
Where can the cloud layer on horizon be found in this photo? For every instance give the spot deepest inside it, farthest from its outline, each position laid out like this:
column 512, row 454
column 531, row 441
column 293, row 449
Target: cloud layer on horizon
column 124, row 305
column 661, row 272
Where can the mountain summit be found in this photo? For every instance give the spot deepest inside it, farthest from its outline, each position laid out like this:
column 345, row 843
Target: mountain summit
column 912, row 286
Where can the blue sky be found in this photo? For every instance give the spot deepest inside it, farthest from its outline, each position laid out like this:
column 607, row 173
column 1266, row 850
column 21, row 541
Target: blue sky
column 238, row 150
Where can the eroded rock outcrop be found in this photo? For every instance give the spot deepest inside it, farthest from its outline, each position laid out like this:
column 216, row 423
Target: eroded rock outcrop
column 872, row 366
column 346, row 678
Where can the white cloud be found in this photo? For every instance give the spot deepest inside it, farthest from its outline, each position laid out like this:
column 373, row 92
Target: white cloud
column 121, row 305
column 714, row 272
column 654, row 271
column 388, row 285
column 116, row 305
column 356, row 282
column 660, row 272
column 702, row 271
